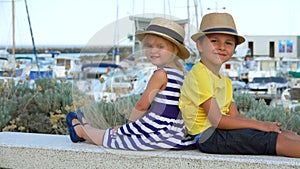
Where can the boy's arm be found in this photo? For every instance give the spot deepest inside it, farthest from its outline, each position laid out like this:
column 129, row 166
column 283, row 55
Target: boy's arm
column 234, row 121
column 233, row 111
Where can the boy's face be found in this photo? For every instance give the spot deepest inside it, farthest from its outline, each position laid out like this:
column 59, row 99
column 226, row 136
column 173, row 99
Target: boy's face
column 217, row 48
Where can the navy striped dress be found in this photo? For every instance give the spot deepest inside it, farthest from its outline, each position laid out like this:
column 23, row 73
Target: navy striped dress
column 161, row 127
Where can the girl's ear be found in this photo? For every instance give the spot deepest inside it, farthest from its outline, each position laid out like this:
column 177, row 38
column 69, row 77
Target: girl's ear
column 176, row 50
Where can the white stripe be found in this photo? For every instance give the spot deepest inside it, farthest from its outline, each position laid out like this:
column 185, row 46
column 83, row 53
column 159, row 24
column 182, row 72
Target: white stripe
column 174, row 77
column 152, row 123
column 168, row 120
column 165, row 101
column 105, row 138
column 143, row 127
column 119, row 141
column 113, row 143
column 173, row 85
column 135, row 131
column 169, row 93
column 138, row 143
column 175, row 71
column 127, row 141
column 125, row 130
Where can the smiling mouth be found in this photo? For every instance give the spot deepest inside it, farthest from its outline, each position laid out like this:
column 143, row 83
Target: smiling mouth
column 154, row 57
column 220, row 54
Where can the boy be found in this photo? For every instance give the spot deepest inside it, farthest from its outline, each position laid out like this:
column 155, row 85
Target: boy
column 207, row 104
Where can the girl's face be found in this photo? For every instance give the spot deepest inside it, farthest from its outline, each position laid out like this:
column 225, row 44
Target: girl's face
column 217, row 48
column 160, row 51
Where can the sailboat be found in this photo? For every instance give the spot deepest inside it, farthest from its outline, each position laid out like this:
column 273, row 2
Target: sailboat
column 8, row 67
column 27, row 67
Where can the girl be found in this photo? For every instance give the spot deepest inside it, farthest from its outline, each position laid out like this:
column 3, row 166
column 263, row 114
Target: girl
column 155, row 121
column 207, row 104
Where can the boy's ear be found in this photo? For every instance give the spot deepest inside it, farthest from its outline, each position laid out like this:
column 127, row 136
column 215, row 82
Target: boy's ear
column 199, row 47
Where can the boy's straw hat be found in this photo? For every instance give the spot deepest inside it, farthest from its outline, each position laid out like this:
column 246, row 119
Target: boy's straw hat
column 218, row 23
column 169, row 30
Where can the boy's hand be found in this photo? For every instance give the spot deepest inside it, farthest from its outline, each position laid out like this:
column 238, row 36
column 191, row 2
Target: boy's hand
column 271, row 126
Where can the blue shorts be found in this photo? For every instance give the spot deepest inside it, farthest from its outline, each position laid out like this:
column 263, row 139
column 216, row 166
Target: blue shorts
column 240, row 141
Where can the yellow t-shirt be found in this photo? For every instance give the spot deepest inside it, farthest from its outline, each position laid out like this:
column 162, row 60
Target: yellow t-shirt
column 199, row 85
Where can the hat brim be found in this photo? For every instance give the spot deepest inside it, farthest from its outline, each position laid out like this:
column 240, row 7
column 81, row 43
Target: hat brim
column 196, row 36
column 183, row 52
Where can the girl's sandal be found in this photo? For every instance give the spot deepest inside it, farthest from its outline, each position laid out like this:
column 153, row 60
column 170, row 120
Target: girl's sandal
column 74, row 137
column 80, row 115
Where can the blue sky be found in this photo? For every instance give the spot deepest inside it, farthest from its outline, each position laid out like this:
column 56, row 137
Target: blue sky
column 75, row 22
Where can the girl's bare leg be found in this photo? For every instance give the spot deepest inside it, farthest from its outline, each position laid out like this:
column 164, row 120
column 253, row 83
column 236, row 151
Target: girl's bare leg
column 288, row 145
column 89, row 133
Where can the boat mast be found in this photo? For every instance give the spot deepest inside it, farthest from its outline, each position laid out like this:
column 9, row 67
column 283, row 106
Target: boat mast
column 188, row 14
column 32, row 39
column 115, row 52
column 196, row 13
column 13, row 30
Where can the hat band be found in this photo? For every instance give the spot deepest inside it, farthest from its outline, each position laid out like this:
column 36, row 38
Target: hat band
column 220, row 30
column 166, row 31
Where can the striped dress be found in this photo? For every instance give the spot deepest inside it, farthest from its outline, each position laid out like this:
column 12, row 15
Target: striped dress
column 161, row 127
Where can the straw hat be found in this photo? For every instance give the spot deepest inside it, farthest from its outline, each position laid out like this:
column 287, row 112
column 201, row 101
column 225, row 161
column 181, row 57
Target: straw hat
column 218, row 23
column 169, row 30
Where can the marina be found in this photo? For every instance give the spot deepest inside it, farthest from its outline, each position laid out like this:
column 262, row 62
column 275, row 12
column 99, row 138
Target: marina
column 131, row 75
column 264, row 67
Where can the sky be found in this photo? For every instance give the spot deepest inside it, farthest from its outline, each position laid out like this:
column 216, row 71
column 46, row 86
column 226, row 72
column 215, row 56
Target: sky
column 76, row 22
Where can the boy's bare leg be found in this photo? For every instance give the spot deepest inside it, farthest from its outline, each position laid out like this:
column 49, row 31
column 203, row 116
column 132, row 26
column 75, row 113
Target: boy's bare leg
column 291, row 135
column 287, row 146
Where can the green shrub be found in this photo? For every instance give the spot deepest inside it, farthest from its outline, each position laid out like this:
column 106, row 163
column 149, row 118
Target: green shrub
column 36, row 108
column 42, row 107
column 257, row 109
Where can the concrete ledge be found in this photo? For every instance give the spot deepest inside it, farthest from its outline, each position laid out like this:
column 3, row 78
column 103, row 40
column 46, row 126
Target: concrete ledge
column 28, row 150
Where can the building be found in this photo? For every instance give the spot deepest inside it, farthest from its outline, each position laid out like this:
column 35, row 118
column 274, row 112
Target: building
column 280, row 46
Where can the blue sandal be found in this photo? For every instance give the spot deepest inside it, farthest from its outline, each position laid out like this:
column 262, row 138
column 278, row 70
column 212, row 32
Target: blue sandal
column 80, row 115
column 74, row 137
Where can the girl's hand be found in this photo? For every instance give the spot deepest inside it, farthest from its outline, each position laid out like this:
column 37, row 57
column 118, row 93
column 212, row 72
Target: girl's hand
column 115, row 129
column 271, row 126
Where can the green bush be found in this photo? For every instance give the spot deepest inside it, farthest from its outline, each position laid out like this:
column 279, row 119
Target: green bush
column 35, row 108
column 41, row 107
column 257, row 109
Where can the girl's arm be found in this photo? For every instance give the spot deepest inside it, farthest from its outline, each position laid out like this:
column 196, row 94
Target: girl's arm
column 157, row 82
column 234, row 120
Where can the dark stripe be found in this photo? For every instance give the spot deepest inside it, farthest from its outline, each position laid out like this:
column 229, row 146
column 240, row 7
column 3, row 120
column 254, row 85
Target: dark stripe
column 174, row 81
column 172, row 89
column 132, row 142
column 122, row 130
column 159, row 109
column 220, row 30
column 129, row 129
column 121, row 137
column 149, row 126
column 109, row 137
column 175, row 74
column 117, row 144
column 138, row 128
column 166, row 31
